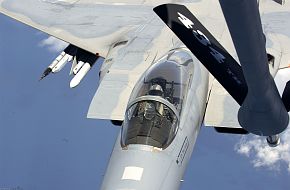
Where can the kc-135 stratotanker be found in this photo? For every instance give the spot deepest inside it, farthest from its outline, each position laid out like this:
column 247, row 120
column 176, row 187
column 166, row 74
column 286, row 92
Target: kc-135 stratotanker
column 222, row 63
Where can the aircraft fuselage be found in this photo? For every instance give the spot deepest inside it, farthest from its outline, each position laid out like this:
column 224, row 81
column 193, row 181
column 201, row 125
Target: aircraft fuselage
column 141, row 164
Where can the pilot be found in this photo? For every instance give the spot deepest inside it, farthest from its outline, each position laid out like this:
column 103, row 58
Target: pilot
column 149, row 110
column 154, row 107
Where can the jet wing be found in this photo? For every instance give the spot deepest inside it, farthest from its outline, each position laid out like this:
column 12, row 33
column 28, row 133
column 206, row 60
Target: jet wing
column 221, row 109
column 276, row 24
column 98, row 27
column 111, row 98
column 87, row 24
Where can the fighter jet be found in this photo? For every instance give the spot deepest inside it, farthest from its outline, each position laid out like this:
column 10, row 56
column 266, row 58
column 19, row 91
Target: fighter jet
column 169, row 68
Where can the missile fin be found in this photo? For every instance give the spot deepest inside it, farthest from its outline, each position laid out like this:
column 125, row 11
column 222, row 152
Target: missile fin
column 74, row 63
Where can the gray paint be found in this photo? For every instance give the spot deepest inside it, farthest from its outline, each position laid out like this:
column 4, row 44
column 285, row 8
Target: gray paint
column 84, row 16
column 161, row 169
column 171, row 174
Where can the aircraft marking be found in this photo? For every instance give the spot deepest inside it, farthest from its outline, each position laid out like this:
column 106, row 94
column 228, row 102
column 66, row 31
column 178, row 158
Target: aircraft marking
column 132, row 173
column 201, row 37
column 182, row 151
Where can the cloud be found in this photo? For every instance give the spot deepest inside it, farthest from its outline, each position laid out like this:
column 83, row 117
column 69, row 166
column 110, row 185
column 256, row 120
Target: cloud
column 53, row 44
column 257, row 149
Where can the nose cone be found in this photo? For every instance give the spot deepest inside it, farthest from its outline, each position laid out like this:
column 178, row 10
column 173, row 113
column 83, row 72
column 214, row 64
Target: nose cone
column 138, row 169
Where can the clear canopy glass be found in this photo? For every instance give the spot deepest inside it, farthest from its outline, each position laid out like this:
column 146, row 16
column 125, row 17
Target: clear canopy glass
column 156, row 102
column 149, row 122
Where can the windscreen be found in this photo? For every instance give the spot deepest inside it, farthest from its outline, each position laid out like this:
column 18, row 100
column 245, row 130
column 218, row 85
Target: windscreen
column 170, row 78
column 150, row 123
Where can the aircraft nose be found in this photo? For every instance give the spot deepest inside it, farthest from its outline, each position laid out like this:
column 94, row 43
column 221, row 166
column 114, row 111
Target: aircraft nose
column 137, row 169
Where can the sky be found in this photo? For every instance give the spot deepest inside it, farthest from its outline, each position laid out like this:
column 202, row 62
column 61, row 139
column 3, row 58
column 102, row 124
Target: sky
column 46, row 142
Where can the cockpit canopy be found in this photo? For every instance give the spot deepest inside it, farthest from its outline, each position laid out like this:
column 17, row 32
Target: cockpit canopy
column 156, row 102
column 149, row 122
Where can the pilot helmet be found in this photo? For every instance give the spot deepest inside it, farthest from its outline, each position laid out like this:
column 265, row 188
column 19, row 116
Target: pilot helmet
column 156, row 90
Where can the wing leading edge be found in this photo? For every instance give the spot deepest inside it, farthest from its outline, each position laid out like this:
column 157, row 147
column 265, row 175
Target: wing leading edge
column 90, row 26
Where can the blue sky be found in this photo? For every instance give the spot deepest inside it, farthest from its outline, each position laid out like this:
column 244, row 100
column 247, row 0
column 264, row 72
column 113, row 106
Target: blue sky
column 46, row 142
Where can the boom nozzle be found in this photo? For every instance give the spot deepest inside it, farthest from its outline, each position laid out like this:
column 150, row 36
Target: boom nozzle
column 273, row 141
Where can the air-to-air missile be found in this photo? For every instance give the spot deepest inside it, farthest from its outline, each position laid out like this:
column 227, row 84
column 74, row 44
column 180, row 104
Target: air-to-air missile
column 84, row 61
column 60, row 61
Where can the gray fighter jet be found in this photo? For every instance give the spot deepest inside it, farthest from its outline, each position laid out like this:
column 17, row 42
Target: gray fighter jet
column 222, row 63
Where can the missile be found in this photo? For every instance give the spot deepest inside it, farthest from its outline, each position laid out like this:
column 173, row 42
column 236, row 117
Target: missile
column 58, row 67
column 80, row 75
column 78, row 67
column 49, row 69
column 82, row 68
column 46, row 72
column 85, row 60
column 66, row 56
